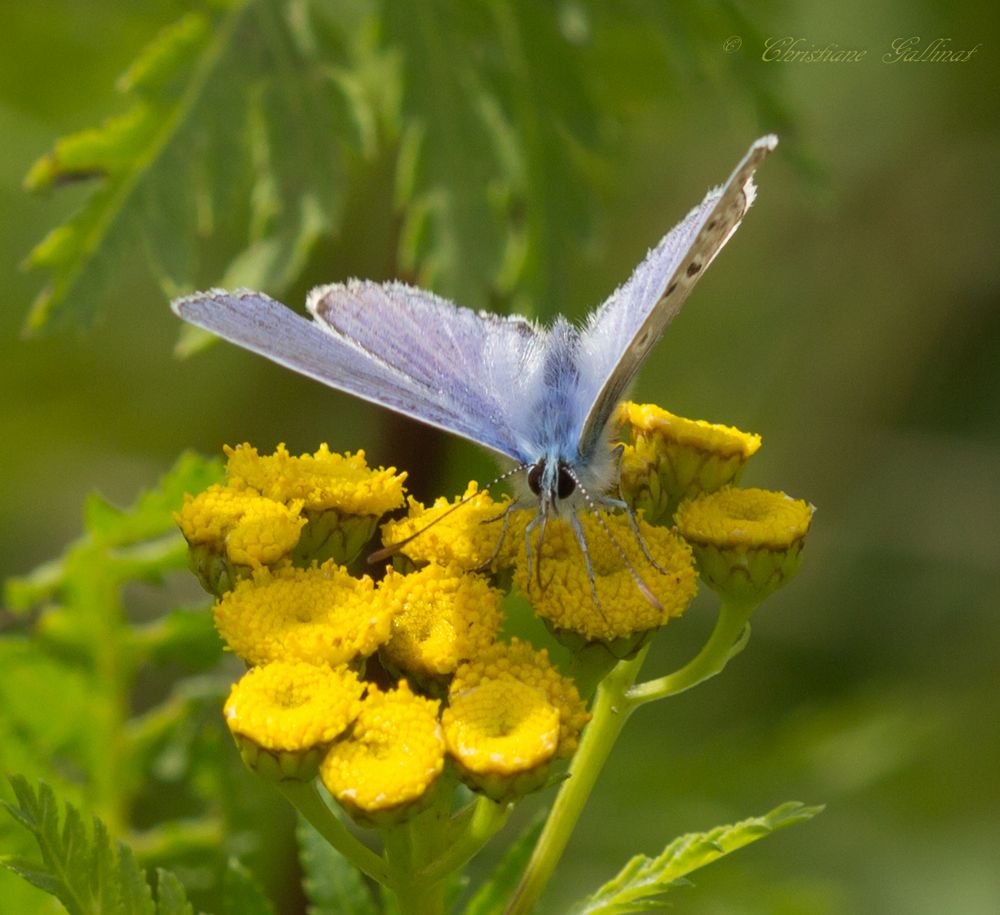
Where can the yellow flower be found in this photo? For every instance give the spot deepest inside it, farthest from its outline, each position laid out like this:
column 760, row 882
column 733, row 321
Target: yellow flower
column 321, row 615
column 209, row 516
column 266, row 533
column 321, row 480
column 383, row 770
column 341, row 497
column 518, row 664
column 283, row 715
column 468, row 535
column 748, row 542
column 230, row 532
column 502, row 734
column 559, row 588
column 440, row 616
column 672, row 458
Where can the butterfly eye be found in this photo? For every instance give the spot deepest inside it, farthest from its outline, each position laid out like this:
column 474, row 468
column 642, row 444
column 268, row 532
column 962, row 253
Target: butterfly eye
column 535, row 477
column 566, row 483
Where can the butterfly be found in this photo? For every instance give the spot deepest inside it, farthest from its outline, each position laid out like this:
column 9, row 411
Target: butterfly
column 541, row 397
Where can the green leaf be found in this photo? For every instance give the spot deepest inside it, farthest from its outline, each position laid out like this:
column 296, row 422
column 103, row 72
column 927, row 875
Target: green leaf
column 170, row 896
column 241, row 893
column 642, row 883
column 453, row 178
column 232, row 97
column 130, row 531
column 121, row 153
column 82, row 868
column 493, row 895
column 151, row 514
column 333, row 886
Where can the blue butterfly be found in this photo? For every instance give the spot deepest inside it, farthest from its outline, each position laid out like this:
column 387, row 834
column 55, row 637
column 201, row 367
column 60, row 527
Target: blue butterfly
column 541, row 397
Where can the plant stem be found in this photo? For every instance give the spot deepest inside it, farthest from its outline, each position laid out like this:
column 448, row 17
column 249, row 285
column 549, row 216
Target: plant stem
column 407, row 848
column 728, row 639
column 610, row 712
column 616, row 698
column 486, row 818
column 305, row 798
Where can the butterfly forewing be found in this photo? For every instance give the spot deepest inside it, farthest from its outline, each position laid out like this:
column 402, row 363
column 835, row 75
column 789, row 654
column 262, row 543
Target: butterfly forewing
column 619, row 335
column 261, row 324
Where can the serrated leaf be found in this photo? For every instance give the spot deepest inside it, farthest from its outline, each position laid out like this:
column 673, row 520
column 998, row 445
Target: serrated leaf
column 170, row 896
column 84, row 869
column 332, row 885
column 130, row 531
column 642, row 883
column 176, row 165
column 121, row 153
column 151, row 514
column 242, row 894
column 455, row 170
column 495, row 893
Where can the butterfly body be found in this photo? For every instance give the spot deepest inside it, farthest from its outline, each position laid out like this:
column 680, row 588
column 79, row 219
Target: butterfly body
column 540, row 398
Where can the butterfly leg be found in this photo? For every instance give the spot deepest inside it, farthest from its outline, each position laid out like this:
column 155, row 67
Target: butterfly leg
column 582, row 541
column 503, row 517
column 630, row 514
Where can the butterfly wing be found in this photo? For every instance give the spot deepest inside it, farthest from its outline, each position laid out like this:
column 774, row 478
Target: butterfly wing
column 438, row 365
column 619, row 334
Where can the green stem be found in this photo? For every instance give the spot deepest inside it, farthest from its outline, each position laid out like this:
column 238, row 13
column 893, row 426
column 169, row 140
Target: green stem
column 728, row 639
column 407, row 846
column 487, row 817
column 610, row 712
column 305, row 798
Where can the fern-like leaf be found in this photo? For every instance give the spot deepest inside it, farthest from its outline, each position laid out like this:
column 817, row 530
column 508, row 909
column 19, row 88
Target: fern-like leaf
column 642, row 883
column 230, row 124
column 333, row 885
column 84, row 869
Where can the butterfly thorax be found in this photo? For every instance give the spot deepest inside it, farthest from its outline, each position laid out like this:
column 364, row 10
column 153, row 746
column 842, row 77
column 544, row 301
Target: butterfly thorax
column 557, row 471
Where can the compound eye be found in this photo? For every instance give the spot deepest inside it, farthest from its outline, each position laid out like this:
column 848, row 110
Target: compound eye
column 535, row 477
column 566, row 484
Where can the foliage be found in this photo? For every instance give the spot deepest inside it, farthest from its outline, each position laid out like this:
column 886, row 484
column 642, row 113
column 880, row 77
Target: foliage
column 249, row 121
column 83, row 868
column 69, row 696
column 640, row 885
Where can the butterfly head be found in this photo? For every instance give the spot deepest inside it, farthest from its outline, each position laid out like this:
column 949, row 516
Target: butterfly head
column 551, row 480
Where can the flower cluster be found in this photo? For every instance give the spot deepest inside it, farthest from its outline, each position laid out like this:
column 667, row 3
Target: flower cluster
column 278, row 510
column 381, row 687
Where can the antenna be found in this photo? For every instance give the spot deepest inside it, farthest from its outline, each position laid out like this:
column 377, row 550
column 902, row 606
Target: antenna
column 394, row 548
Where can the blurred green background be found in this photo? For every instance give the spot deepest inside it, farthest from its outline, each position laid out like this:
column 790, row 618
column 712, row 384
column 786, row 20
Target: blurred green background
column 853, row 322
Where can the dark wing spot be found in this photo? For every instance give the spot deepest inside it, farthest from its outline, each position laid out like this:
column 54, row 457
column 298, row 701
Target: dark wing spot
column 670, row 289
column 712, row 225
column 693, row 268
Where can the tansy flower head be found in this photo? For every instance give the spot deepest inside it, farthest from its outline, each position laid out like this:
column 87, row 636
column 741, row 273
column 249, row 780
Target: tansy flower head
column 559, row 588
column 519, row 663
column 321, row 480
column 440, row 616
column 341, row 497
column 468, row 535
column 748, row 542
column 230, row 532
column 321, row 615
column 383, row 770
column 502, row 735
column 671, row 458
column 283, row 715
